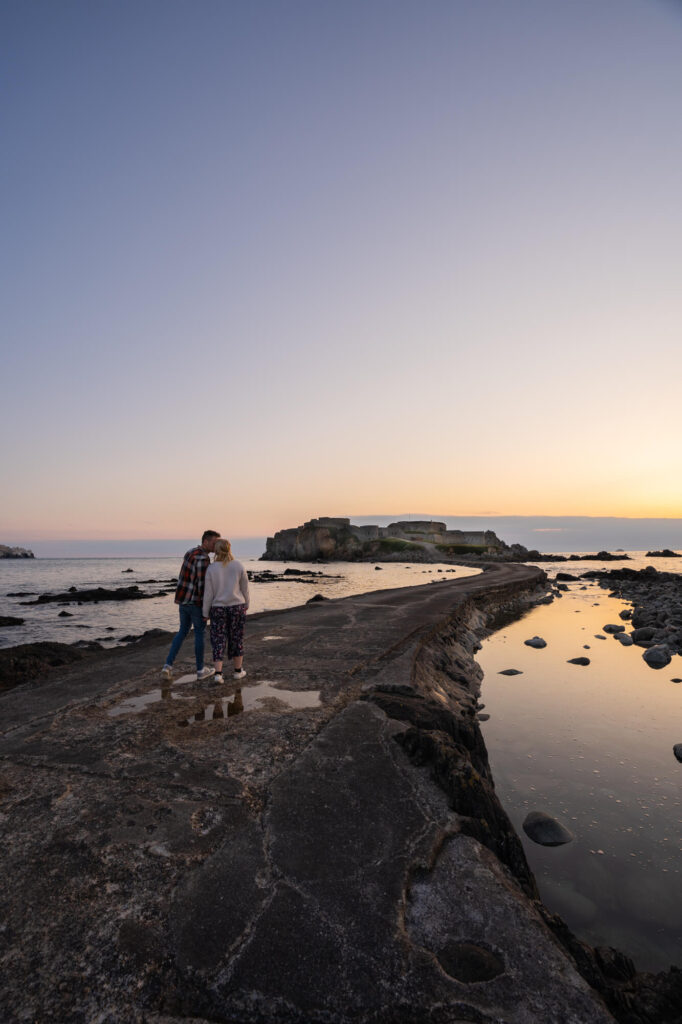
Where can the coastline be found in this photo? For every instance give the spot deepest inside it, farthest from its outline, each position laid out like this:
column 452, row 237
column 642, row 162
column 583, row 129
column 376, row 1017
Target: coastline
column 385, row 783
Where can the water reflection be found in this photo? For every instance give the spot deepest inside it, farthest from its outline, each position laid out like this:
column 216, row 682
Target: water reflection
column 253, row 695
column 592, row 747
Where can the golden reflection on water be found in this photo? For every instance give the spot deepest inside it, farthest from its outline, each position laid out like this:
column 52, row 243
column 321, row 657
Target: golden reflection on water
column 592, row 745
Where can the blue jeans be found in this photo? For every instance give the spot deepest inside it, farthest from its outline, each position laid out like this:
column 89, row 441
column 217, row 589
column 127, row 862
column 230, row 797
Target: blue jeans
column 190, row 615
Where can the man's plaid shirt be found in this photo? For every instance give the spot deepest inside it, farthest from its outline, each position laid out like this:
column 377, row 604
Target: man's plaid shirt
column 192, row 576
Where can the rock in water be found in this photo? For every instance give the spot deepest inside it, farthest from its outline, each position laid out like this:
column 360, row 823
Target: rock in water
column 535, row 641
column 611, row 627
column 510, row 672
column 316, row 598
column 677, row 751
column 625, row 639
column 546, row 831
column 10, row 620
column 657, row 657
column 578, row 661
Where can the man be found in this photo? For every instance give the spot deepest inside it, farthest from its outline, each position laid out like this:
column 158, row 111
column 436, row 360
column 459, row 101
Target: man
column 189, row 597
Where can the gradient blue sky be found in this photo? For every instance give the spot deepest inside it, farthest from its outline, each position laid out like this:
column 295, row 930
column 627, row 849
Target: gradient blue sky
column 263, row 261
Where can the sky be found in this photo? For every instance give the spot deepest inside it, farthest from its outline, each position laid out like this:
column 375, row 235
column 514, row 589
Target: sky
column 264, row 261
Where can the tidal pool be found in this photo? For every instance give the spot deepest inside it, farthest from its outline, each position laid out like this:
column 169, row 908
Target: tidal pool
column 592, row 746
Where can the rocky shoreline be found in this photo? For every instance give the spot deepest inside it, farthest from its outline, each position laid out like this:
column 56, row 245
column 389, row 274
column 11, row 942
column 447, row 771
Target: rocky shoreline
column 656, row 616
column 346, row 862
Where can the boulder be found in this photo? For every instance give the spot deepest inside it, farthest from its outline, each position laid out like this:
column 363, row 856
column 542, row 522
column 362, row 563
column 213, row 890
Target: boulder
column 625, row 639
column 657, row 656
column 643, row 633
column 612, row 627
column 546, row 831
column 10, row 620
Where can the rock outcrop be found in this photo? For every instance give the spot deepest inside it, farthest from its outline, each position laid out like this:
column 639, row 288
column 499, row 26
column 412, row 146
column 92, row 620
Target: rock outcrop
column 336, row 539
column 7, row 552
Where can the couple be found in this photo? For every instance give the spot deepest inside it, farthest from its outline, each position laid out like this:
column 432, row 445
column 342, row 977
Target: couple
column 219, row 590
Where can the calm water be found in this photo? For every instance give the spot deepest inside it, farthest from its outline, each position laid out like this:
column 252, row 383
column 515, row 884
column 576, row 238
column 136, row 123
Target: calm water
column 592, row 746
column 109, row 621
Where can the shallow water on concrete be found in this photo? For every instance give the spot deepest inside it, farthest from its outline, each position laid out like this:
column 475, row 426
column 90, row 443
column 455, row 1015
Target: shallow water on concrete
column 250, row 697
column 221, row 706
column 592, row 746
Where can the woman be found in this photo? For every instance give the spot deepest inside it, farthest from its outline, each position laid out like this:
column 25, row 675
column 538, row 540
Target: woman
column 226, row 600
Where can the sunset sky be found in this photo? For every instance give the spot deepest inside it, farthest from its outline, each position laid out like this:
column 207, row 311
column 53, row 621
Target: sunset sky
column 271, row 259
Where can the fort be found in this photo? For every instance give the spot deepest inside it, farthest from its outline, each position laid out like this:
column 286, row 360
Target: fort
column 336, row 539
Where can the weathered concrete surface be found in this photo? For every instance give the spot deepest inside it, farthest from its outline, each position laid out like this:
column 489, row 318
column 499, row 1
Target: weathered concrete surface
column 342, row 863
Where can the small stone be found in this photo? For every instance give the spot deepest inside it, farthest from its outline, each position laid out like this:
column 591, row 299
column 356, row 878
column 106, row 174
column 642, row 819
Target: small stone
column 578, row 661
column 515, row 672
column 546, row 831
column 535, row 641
column 611, row 627
column 598, row 636
column 316, row 598
column 677, row 751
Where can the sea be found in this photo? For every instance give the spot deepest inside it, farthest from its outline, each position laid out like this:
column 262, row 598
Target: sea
column 111, row 623
column 589, row 745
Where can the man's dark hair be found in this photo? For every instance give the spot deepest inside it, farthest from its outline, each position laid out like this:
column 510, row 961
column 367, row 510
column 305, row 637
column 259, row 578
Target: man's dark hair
column 207, row 534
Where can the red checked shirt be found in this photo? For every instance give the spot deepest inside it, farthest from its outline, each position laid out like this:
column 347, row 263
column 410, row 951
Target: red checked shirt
column 190, row 588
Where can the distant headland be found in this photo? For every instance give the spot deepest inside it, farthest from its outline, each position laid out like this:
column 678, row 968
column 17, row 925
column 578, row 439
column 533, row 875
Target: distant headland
column 6, row 552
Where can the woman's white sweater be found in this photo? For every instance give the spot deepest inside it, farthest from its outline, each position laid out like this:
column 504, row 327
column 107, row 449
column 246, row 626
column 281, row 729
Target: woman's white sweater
column 226, row 585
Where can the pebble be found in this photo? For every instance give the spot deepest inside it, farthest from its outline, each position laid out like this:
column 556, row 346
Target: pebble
column 578, row 661
column 535, row 641
column 518, row 672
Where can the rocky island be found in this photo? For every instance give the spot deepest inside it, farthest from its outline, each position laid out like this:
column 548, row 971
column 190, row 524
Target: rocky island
column 335, row 539
column 7, row 552
column 323, row 846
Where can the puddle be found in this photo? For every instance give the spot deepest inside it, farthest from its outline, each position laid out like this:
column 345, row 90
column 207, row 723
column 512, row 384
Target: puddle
column 136, row 704
column 247, row 698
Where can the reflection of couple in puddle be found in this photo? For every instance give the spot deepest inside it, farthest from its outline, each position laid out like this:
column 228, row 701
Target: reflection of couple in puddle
column 217, row 710
column 234, row 707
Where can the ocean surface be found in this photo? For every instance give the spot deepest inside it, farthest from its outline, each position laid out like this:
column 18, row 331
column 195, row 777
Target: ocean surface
column 108, row 622
column 592, row 746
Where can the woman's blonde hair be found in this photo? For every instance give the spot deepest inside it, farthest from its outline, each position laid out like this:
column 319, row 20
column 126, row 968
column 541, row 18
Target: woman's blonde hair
column 223, row 551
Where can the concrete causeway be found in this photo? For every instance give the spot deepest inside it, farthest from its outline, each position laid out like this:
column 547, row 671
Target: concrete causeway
column 324, row 845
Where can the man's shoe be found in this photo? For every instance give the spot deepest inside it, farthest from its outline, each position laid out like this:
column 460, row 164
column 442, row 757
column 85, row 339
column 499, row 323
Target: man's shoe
column 167, row 672
column 205, row 673
column 239, row 673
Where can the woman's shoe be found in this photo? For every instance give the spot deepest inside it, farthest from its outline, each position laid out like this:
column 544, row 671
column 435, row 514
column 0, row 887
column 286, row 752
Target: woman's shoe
column 239, row 673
